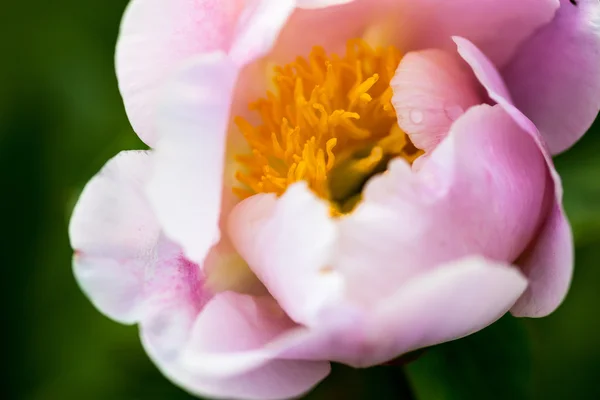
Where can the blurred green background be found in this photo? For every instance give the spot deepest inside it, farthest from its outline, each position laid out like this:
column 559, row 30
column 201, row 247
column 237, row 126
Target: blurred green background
column 61, row 118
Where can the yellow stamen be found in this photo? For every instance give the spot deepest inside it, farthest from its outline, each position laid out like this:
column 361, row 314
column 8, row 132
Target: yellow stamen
column 330, row 122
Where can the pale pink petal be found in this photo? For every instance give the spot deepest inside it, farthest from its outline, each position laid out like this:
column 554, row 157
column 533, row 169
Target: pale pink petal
column 320, row 3
column 339, row 336
column 481, row 191
column 232, row 330
column 328, row 27
column 114, row 234
column 174, row 295
column 157, row 35
column 122, row 260
column 416, row 25
column 185, row 189
column 449, row 302
column 497, row 27
column 218, row 350
column 259, row 28
column 212, row 358
column 179, row 316
column 432, row 88
column 454, row 300
column 549, row 265
column 289, row 243
column 274, row 381
column 554, row 79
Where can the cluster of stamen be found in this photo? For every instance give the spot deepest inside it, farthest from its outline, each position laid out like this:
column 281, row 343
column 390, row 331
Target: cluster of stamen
column 330, row 123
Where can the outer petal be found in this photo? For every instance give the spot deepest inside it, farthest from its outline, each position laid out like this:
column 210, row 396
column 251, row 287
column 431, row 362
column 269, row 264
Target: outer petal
column 122, row 260
column 549, row 260
column 340, row 335
column 185, row 189
column 432, row 88
column 217, row 332
column 289, row 244
column 156, row 36
column 453, row 301
column 114, row 235
column 416, row 25
column 329, row 27
column 231, row 328
column 133, row 274
column 433, row 22
column 481, row 191
column 554, row 79
column 548, row 264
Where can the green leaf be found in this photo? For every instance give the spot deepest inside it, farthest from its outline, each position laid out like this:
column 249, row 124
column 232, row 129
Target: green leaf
column 492, row 364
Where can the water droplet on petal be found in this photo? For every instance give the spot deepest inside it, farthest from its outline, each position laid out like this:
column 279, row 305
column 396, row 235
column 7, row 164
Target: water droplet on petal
column 416, row 116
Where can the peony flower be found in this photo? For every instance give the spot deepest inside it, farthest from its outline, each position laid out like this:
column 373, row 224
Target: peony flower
column 334, row 181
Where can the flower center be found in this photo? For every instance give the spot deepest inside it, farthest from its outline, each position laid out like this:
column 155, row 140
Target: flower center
column 330, row 123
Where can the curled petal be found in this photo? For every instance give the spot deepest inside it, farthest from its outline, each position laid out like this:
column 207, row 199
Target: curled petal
column 122, row 260
column 133, row 274
column 431, row 23
column 554, row 79
column 114, row 235
column 548, row 262
column 424, row 24
column 157, row 36
column 432, row 88
column 224, row 354
column 481, row 191
column 415, row 25
column 453, row 301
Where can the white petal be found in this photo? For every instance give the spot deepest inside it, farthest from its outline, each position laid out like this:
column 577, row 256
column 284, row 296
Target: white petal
column 186, row 186
column 114, row 235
